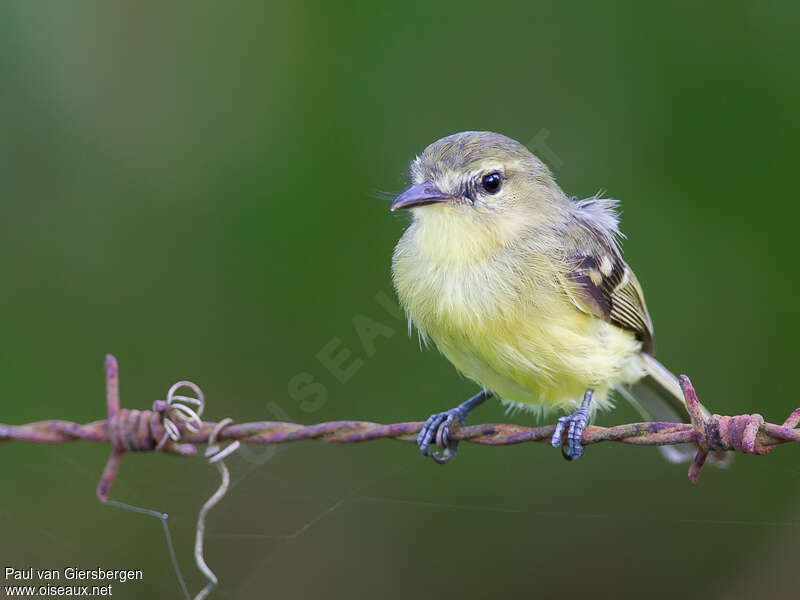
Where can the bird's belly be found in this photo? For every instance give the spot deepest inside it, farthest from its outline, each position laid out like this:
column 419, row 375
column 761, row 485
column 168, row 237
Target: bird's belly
column 541, row 358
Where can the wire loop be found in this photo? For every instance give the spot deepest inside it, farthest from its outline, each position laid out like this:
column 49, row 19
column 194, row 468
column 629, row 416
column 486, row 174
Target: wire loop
column 176, row 411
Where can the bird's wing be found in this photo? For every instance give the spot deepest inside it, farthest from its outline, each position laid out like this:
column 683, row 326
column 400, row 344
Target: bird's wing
column 608, row 288
column 603, row 283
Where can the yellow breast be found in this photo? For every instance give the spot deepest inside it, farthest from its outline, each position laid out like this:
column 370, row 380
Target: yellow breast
column 502, row 316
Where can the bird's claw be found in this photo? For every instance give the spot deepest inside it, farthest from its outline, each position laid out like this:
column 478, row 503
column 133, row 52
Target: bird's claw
column 437, row 429
column 574, row 425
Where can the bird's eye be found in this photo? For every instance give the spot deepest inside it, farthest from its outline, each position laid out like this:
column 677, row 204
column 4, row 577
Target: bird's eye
column 491, row 182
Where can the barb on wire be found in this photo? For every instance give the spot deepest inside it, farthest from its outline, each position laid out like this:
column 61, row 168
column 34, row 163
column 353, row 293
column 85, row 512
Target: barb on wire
column 176, row 416
column 130, row 430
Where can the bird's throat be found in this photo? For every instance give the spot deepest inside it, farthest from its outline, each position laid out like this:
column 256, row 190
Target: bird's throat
column 452, row 236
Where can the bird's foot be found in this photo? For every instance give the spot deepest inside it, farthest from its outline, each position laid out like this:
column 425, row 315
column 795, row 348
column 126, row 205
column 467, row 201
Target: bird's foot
column 574, row 425
column 439, row 427
column 437, row 430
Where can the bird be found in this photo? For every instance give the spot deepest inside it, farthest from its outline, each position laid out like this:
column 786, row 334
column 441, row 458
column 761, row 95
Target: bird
column 524, row 290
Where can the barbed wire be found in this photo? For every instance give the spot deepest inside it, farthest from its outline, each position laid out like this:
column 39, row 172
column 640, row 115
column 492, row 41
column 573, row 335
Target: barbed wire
column 132, row 430
column 175, row 426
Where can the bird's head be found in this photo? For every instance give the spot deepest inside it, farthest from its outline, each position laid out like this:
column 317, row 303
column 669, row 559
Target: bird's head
column 479, row 177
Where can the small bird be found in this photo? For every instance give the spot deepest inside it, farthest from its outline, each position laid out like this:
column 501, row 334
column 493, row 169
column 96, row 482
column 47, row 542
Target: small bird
column 524, row 290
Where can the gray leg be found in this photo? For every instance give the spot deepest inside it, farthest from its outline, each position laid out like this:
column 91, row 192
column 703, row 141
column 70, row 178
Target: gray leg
column 574, row 424
column 438, row 427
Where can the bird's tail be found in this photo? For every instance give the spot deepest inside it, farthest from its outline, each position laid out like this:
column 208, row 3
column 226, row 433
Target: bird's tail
column 658, row 397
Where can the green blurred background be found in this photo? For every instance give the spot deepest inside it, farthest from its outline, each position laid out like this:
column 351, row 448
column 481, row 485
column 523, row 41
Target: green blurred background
column 196, row 187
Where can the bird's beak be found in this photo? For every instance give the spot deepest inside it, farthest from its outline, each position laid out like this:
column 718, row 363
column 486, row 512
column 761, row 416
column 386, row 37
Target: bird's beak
column 420, row 194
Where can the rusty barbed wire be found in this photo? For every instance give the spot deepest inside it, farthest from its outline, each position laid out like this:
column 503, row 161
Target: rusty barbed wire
column 174, row 425
column 131, row 430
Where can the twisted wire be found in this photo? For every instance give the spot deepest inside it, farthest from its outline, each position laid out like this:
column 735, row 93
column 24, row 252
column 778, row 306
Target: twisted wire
column 130, row 430
column 723, row 433
column 174, row 426
column 216, row 456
